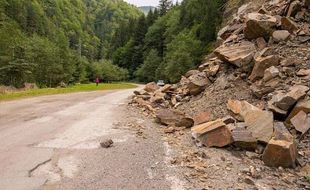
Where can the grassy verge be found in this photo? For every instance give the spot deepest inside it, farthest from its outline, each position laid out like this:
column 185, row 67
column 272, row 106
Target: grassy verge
column 69, row 89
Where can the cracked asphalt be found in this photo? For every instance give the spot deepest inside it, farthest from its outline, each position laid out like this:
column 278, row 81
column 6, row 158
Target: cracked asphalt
column 53, row 142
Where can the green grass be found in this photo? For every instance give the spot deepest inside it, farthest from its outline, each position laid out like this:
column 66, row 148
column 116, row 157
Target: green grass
column 69, row 89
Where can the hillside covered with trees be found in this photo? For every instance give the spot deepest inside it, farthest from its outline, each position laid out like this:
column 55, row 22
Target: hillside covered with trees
column 54, row 41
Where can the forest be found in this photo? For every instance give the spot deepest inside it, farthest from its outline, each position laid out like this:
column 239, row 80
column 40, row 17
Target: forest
column 75, row 41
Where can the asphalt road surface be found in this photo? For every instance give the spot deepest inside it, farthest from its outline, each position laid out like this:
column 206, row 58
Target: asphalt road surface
column 53, row 142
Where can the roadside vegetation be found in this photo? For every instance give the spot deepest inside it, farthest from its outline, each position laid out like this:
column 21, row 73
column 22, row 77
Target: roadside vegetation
column 69, row 89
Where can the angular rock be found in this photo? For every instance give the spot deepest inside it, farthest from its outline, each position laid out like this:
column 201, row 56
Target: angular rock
column 285, row 101
column 212, row 69
column 294, row 7
column 259, row 25
column 303, row 72
column 203, row 117
column 303, row 105
column 280, row 153
column 158, row 97
column 271, row 73
column 175, row 118
column 291, row 62
column 212, row 134
column 281, row 132
column 151, row 87
column 225, row 32
column 280, row 35
column 259, row 91
column 261, row 43
column 240, row 55
column 197, row 83
column 244, row 138
column 301, row 122
column 166, row 88
column 288, row 24
column 141, row 92
column 261, row 64
column 191, row 73
column 259, row 122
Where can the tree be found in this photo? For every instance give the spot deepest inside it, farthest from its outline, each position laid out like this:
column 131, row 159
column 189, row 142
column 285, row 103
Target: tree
column 147, row 72
column 164, row 6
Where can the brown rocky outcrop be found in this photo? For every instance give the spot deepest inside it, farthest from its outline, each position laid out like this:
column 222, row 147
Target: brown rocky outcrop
column 261, row 64
column 239, row 55
column 259, row 25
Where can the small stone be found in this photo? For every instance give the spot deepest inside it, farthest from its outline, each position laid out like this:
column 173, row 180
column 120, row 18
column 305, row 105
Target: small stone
column 280, row 35
column 271, row 73
column 303, row 72
column 107, row 143
column 261, row 43
column 191, row 73
column 249, row 181
column 294, row 7
column 169, row 130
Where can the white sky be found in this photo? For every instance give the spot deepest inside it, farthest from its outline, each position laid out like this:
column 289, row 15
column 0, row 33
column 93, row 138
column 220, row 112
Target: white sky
column 145, row 2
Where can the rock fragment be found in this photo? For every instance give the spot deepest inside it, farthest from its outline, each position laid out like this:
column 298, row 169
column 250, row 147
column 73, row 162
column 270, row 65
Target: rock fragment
column 259, row 25
column 240, row 55
column 271, row 73
column 106, row 143
column 175, row 118
column 203, row 117
column 212, row 134
column 261, row 64
column 259, row 122
column 151, row 87
column 285, row 101
column 289, row 25
column 301, row 122
column 280, row 35
column 197, row 83
column 244, row 138
column 302, row 105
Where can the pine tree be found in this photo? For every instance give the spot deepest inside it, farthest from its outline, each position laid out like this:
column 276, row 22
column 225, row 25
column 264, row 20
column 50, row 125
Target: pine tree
column 164, row 6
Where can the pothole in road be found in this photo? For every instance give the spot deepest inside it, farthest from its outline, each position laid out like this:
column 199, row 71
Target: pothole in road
column 54, row 171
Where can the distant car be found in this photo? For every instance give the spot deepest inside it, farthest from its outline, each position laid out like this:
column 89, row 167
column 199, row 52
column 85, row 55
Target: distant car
column 161, row 83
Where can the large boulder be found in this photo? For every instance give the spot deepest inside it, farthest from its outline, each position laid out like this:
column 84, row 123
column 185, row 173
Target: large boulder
column 172, row 117
column 261, row 64
column 259, row 25
column 213, row 134
column 281, row 149
column 197, row 83
column 151, row 87
column 259, row 122
column 240, row 55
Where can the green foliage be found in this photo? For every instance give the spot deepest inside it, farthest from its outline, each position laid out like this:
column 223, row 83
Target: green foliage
column 181, row 55
column 147, row 72
column 55, row 41
column 108, row 72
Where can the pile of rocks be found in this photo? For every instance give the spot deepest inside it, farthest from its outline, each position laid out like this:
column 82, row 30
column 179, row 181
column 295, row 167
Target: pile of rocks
column 269, row 49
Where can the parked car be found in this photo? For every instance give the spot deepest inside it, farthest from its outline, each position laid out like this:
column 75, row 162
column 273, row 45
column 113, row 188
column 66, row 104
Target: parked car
column 161, row 83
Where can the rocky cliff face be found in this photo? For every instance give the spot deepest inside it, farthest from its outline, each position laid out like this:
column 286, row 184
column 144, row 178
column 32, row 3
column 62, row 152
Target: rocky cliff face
column 252, row 92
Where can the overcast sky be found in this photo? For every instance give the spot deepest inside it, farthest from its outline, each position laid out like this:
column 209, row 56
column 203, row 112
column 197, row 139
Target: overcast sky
column 144, row 2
